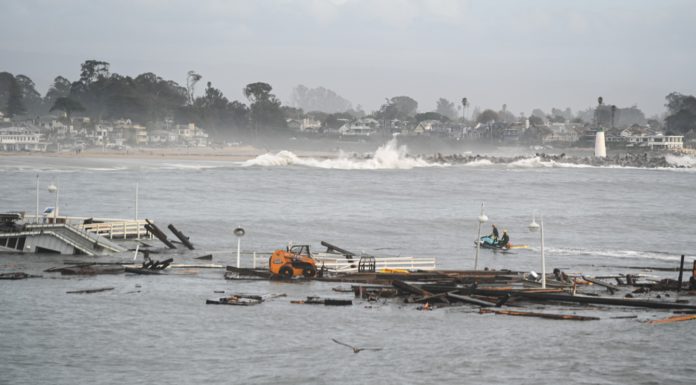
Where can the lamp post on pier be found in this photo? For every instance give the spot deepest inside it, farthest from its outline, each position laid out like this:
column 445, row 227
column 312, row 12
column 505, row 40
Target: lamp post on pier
column 239, row 232
column 53, row 188
column 482, row 218
column 533, row 227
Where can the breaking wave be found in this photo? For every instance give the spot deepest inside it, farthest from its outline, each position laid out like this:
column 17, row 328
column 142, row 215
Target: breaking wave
column 387, row 157
column 537, row 162
column 681, row 160
column 479, row 162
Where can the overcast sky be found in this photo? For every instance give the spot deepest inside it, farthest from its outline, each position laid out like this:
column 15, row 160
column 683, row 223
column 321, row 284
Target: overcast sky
column 526, row 54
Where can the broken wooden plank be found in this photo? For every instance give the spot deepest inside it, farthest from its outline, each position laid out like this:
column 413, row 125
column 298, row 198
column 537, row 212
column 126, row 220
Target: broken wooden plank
column 90, row 291
column 441, row 297
column 154, row 230
column 247, row 272
column 140, row 270
column 674, row 318
column 323, row 301
column 182, row 237
column 471, row 300
column 609, row 287
column 17, row 275
column 589, row 299
column 540, row 315
column 403, row 286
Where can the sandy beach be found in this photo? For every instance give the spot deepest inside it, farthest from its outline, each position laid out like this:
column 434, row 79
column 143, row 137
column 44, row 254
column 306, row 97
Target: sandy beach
column 237, row 153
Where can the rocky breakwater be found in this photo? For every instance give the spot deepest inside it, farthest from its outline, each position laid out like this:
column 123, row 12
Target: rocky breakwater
column 643, row 160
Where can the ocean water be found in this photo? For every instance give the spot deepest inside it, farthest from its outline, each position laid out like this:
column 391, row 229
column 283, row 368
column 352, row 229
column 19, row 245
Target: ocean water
column 152, row 330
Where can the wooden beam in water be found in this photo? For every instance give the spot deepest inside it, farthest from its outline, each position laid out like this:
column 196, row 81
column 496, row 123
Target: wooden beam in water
column 587, row 299
column 154, row 230
column 183, row 238
column 672, row 319
column 471, row 300
column 405, row 287
column 90, row 291
column 610, row 287
column 540, row 315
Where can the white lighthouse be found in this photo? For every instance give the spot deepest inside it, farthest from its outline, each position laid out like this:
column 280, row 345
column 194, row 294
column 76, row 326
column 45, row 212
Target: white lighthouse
column 600, row 148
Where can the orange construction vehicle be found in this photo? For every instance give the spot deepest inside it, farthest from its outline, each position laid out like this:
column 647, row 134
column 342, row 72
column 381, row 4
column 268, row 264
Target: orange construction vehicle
column 295, row 261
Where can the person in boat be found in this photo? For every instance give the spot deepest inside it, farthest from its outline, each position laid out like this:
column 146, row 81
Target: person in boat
column 494, row 234
column 504, row 240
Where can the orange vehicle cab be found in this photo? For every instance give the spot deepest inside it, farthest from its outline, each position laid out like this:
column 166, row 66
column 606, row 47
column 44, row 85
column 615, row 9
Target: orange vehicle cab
column 295, row 261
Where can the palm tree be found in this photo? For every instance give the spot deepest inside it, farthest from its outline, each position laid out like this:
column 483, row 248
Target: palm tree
column 465, row 102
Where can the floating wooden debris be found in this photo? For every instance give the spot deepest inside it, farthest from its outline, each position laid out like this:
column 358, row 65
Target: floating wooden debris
column 540, row 315
column 242, row 299
column 236, row 300
column 612, row 289
column 90, row 291
column 674, row 318
column 237, row 272
column 470, row 300
column 154, row 230
column 17, row 275
column 87, row 269
column 183, row 238
column 324, row 301
column 150, row 267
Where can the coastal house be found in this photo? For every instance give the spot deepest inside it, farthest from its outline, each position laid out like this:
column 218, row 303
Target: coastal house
column 657, row 142
column 136, row 134
column 191, row 135
column 162, row 137
column 360, row 127
column 20, row 139
column 426, row 127
column 513, row 132
column 562, row 133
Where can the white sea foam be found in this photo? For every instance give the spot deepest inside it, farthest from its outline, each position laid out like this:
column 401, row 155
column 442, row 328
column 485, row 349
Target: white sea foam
column 479, row 162
column 614, row 253
column 681, row 160
column 190, row 166
column 388, row 156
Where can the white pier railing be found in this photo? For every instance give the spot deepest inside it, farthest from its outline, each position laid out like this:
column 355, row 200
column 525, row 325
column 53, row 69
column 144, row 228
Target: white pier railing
column 119, row 229
column 343, row 265
column 335, row 263
column 112, row 228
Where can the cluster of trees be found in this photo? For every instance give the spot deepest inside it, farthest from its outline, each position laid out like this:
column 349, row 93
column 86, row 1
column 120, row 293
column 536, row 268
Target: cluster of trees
column 147, row 98
column 681, row 118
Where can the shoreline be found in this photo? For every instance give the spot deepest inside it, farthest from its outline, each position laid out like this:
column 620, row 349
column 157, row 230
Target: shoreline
column 224, row 154
column 646, row 160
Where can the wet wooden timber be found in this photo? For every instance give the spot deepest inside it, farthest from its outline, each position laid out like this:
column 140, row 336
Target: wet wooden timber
column 183, row 238
column 154, row 230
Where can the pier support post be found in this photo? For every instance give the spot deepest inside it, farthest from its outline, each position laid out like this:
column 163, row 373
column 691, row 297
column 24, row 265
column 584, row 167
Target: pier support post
column 681, row 272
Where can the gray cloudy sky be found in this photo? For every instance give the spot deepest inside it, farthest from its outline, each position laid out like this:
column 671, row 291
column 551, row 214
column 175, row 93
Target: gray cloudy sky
column 526, row 54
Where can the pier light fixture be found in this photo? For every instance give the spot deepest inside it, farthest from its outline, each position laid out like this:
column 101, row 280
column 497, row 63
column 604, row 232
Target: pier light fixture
column 534, row 227
column 482, row 218
column 239, row 232
column 53, row 188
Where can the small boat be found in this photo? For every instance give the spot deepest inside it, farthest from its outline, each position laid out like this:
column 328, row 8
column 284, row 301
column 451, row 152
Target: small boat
column 487, row 242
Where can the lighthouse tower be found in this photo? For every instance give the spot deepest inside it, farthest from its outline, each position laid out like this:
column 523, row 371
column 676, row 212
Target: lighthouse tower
column 600, row 148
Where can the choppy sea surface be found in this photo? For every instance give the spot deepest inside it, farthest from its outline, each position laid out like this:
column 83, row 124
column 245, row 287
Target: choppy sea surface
column 157, row 329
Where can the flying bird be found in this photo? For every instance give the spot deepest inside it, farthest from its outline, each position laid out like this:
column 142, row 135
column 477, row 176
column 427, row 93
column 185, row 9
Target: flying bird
column 355, row 350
